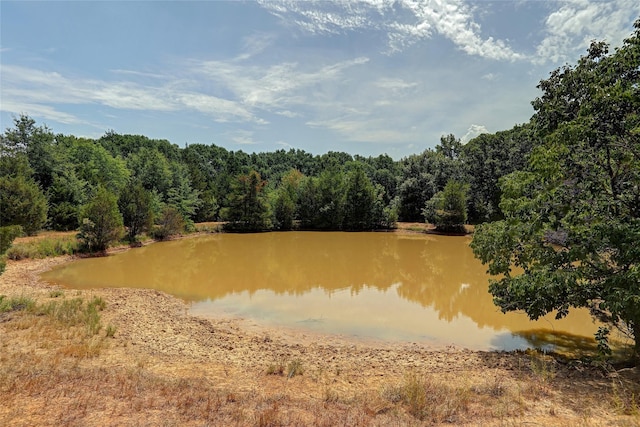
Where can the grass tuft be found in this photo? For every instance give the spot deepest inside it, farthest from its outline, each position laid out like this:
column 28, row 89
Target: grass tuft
column 428, row 400
column 74, row 312
column 56, row 293
column 16, row 304
column 110, row 331
column 43, row 248
column 624, row 401
column 294, row 368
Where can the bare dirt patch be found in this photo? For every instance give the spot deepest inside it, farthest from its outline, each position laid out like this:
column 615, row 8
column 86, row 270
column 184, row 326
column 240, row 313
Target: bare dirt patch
column 163, row 366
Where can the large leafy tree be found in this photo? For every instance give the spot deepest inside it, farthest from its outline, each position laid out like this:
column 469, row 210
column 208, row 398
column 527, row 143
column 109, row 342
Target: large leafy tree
column 489, row 157
column 423, row 175
column 572, row 221
column 93, row 163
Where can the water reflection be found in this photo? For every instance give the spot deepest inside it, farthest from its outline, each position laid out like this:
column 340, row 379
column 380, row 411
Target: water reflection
column 383, row 285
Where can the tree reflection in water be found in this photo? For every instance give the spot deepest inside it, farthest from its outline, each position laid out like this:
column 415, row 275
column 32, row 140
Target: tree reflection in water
column 388, row 285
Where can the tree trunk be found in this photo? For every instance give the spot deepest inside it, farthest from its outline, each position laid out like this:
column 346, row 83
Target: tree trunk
column 636, row 339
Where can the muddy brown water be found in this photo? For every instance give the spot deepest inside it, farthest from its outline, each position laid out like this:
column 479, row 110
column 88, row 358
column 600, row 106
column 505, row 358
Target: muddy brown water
column 383, row 286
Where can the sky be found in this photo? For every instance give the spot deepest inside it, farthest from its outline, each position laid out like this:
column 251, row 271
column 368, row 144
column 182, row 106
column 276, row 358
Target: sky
column 365, row 77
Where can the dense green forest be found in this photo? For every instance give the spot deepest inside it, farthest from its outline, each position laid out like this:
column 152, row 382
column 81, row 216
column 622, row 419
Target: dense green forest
column 560, row 194
column 46, row 179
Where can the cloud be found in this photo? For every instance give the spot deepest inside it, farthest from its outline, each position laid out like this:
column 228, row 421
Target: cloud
column 285, row 145
column 26, row 89
column 366, row 130
column 255, row 44
column 277, row 89
column 570, row 29
column 405, row 22
column 242, row 137
column 472, row 132
column 39, row 110
column 394, row 85
column 139, row 73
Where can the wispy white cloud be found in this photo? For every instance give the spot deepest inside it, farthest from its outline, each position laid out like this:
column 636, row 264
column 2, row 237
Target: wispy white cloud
column 139, row 73
column 243, row 137
column 255, row 44
column 372, row 130
column 40, row 110
column 570, row 29
column 473, row 131
column 278, row 88
column 27, row 89
column 404, row 22
column 285, row 145
column 394, row 84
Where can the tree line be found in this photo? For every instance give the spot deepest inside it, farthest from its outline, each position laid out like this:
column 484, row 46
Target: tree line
column 47, row 180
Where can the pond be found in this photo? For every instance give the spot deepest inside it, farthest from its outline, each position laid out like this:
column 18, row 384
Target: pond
column 384, row 286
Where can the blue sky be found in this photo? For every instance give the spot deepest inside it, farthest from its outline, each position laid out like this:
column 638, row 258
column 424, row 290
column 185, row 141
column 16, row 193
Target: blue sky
column 366, row 77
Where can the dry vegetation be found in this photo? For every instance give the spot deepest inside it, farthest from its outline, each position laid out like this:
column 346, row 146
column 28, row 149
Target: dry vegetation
column 136, row 357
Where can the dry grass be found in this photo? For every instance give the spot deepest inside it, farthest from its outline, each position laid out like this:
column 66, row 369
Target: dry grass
column 43, row 246
column 58, row 379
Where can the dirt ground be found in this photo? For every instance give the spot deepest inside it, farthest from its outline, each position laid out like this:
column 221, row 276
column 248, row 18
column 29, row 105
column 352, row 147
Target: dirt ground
column 165, row 367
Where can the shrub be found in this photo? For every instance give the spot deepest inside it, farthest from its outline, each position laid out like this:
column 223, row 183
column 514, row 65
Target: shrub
column 169, row 224
column 101, row 222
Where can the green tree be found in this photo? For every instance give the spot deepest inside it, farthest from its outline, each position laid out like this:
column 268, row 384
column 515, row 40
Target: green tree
column 308, row 202
column 286, row 200
column 101, row 222
column 572, row 222
column 36, row 142
column 331, row 197
column 423, row 175
column 7, row 235
column 360, row 199
column 152, row 168
column 447, row 210
column 181, row 194
column 449, row 146
column 489, row 157
column 93, row 163
column 136, row 206
column 22, row 203
column 66, row 194
column 247, row 208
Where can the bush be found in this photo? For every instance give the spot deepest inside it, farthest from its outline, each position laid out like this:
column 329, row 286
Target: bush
column 169, row 224
column 7, row 235
column 101, row 222
column 23, row 203
column 447, row 210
